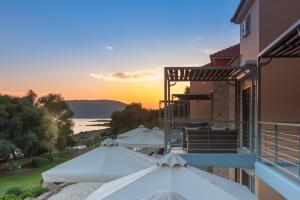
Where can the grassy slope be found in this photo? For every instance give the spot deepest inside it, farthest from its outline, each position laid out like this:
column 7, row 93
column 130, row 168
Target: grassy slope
column 26, row 180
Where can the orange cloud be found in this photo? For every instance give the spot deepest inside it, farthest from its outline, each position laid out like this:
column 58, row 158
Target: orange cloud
column 154, row 74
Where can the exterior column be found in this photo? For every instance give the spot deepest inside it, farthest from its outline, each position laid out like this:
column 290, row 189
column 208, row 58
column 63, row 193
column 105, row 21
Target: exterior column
column 258, row 107
column 253, row 115
column 165, row 109
column 169, row 111
column 237, row 112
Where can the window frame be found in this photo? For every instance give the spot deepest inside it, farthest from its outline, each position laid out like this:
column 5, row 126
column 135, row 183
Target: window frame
column 246, row 26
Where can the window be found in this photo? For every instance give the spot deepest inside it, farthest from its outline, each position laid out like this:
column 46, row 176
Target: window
column 246, row 26
column 248, row 181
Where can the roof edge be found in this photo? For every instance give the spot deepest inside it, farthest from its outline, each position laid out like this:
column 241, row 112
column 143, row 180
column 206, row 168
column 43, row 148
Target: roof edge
column 241, row 11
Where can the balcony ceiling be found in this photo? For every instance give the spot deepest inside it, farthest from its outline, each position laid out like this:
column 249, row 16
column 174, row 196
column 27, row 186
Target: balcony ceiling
column 193, row 96
column 287, row 45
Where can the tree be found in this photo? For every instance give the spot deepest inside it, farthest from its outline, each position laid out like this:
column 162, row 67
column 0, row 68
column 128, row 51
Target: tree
column 33, row 126
column 131, row 117
column 32, row 96
column 20, row 122
column 56, row 106
column 187, row 90
column 6, row 148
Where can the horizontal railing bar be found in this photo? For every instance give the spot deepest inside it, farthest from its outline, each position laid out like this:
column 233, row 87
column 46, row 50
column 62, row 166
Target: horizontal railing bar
column 287, row 171
column 283, row 147
column 212, row 140
column 281, row 153
column 273, row 144
column 193, row 149
column 281, row 159
column 280, row 138
column 280, row 124
column 293, row 135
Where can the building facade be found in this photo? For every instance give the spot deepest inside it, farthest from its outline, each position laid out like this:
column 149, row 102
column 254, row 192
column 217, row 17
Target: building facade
column 259, row 93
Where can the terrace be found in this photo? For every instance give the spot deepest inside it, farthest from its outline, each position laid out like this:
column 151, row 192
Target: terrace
column 207, row 137
column 211, row 142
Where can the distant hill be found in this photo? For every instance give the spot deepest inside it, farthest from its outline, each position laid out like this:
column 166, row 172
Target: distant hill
column 95, row 108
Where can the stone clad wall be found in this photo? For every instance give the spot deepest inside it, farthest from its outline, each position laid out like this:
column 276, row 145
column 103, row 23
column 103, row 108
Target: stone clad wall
column 224, row 104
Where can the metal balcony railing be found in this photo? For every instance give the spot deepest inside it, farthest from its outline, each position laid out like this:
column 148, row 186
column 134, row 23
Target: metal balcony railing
column 279, row 147
column 195, row 135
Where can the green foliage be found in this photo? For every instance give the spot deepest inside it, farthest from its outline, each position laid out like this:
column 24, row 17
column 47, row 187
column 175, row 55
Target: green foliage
column 9, row 197
column 33, row 178
column 39, row 162
column 10, row 166
column 131, row 117
column 6, row 147
column 33, row 192
column 70, row 141
column 15, row 191
column 59, row 109
column 32, row 126
column 48, row 156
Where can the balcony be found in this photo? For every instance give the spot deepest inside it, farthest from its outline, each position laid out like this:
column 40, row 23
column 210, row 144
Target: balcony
column 208, row 140
column 280, row 148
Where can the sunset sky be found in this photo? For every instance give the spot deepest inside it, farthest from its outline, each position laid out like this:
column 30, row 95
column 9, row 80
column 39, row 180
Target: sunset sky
column 107, row 49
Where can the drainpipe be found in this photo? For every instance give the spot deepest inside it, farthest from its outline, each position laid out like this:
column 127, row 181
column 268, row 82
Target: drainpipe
column 258, row 108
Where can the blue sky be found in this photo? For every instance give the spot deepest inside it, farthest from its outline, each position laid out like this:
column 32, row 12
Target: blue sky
column 47, row 45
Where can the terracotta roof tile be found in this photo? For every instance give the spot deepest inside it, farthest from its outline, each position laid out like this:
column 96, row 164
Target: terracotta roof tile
column 207, row 65
column 228, row 52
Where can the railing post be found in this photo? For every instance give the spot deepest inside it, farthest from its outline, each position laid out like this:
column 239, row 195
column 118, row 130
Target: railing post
column 276, row 143
column 259, row 132
column 299, row 154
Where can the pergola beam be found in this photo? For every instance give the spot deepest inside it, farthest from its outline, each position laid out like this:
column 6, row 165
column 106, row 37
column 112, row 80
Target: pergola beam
column 209, row 73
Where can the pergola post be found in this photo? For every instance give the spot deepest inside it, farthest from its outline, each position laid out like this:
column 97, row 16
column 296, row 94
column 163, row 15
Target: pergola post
column 253, row 115
column 169, row 111
column 237, row 108
column 165, row 109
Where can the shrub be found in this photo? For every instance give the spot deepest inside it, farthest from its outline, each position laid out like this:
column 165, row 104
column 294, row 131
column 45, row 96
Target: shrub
column 10, row 166
column 33, row 192
column 6, row 148
column 14, row 190
column 9, row 197
column 18, row 166
column 48, row 156
column 39, row 162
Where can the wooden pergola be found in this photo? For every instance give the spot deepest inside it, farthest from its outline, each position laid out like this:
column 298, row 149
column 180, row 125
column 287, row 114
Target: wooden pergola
column 230, row 74
column 204, row 73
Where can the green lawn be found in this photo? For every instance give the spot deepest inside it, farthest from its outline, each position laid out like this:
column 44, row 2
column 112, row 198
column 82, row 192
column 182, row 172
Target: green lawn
column 26, row 180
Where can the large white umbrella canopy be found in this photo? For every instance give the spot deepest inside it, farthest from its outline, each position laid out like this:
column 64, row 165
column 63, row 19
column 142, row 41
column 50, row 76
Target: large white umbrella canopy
column 105, row 163
column 158, row 131
column 174, row 175
column 144, row 139
column 133, row 132
column 164, row 195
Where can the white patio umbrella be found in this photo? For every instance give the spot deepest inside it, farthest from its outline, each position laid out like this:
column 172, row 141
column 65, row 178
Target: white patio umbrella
column 133, row 132
column 144, row 139
column 172, row 174
column 105, row 163
column 164, row 195
column 159, row 131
